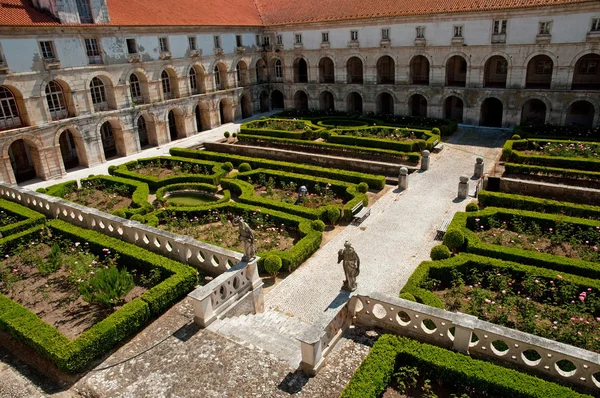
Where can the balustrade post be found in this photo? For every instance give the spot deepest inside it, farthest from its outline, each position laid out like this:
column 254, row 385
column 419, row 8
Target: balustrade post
column 258, row 299
column 204, row 313
column 463, row 331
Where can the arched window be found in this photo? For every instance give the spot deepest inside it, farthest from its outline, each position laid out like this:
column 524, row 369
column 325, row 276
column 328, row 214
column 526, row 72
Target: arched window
column 217, row 73
column 136, row 91
column 9, row 112
column 56, row 101
column 278, row 69
column 166, row 85
column 193, row 81
column 108, row 140
column 98, row 92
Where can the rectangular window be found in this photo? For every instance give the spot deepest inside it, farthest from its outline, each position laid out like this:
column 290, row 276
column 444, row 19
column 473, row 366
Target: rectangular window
column 47, row 50
column 325, row 37
column 238, row 41
column 545, row 28
column 93, row 51
column 217, row 41
column 595, row 25
column 84, row 11
column 385, row 34
column 192, row 43
column 266, row 41
column 257, row 40
column 131, row 46
column 543, row 67
column 420, row 32
column 458, row 31
column 279, row 39
column 298, row 38
column 354, row 35
column 163, row 44
column 499, row 26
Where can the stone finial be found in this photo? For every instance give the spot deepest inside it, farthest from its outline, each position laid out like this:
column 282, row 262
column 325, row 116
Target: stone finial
column 425, row 159
column 478, row 172
column 403, row 178
column 463, row 187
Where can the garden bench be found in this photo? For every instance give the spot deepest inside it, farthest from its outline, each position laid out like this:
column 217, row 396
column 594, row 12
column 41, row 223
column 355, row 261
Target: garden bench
column 442, row 229
column 438, row 147
column 359, row 213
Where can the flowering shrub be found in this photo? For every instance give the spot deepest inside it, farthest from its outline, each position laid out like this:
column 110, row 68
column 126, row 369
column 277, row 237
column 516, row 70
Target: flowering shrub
column 7, row 218
column 564, row 149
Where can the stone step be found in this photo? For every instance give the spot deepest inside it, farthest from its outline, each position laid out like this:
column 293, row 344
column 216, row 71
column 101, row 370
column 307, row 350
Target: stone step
column 270, row 331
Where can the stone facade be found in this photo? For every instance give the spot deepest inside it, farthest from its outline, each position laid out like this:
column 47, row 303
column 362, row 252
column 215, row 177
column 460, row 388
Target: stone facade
column 104, row 91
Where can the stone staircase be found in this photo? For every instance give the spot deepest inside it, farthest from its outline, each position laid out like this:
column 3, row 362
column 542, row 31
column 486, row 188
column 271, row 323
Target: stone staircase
column 270, row 331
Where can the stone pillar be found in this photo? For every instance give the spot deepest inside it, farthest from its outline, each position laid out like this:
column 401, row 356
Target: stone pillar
column 403, row 178
column 478, row 167
column 6, row 171
column 463, row 330
column 463, row 187
column 425, row 159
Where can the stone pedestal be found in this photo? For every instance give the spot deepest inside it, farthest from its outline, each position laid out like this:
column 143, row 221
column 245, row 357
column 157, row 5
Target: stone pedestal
column 463, row 187
column 403, row 178
column 425, row 159
column 478, row 167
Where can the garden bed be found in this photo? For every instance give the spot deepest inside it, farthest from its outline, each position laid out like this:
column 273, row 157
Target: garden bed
column 553, row 154
column 552, row 131
column 392, row 138
column 15, row 218
column 284, row 128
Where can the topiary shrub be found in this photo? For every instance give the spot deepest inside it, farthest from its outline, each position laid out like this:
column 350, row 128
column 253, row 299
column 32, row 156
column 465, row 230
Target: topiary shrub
column 454, row 239
column 472, row 207
column 119, row 213
column 41, row 190
column 363, row 187
column 234, row 135
column 273, row 264
column 226, row 134
column 151, row 220
column 515, row 137
column 318, row 225
column 244, row 167
column 440, row 252
column 227, row 166
column 436, row 131
column 333, row 214
column 138, row 218
column 110, row 170
column 408, row 296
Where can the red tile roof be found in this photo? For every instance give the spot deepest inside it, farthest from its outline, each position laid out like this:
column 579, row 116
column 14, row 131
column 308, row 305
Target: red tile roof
column 279, row 12
column 261, row 12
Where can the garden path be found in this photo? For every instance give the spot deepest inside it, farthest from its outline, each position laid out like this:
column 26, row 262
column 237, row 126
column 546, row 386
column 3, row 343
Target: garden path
column 396, row 237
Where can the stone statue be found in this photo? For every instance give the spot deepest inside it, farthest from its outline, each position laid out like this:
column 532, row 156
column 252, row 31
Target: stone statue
column 247, row 237
column 351, row 266
column 301, row 193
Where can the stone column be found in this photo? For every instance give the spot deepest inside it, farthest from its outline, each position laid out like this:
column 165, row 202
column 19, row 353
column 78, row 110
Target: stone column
column 478, row 167
column 463, row 187
column 425, row 159
column 6, row 171
column 403, row 178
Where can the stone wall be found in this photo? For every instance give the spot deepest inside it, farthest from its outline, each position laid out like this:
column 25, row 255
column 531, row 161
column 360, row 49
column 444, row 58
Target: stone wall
column 550, row 191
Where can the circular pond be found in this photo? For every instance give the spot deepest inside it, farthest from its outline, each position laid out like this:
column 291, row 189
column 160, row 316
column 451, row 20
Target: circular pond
column 191, row 198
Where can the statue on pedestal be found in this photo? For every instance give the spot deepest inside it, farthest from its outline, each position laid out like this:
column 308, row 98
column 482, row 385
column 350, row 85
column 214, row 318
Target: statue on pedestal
column 247, row 237
column 351, row 264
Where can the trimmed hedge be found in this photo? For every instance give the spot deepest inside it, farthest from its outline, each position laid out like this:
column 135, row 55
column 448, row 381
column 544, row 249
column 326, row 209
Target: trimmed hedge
column 292, row 258
column 75, row 355
column 473, row 244
column 453, row 369
column 361, row 152
column 253, row 128
column 514, row 168
column 511, row 151
column 551, row 131
column 246, row 193
column 154, row 183
column 27, row 218
column 139, row 192
column 374, row 181
column 522, row 202
column 423, row 139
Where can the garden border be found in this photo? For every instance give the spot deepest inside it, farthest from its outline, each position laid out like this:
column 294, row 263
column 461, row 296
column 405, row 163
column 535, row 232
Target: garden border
column 32, row 218
column 247, row 129
column 511, row 151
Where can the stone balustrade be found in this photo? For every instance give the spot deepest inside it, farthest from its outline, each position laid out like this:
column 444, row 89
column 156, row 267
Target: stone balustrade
column 211, row 259
column 463, row 333
column 239, row 285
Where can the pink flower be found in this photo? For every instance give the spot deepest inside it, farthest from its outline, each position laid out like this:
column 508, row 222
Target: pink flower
column 488, row 301
column 554, row 327
column 559, row 276
column 15, row 271
column 595, row 248
column 504, row 292
column 537, row 281
column 581, row 298
column 555, row 322
column 552, row 282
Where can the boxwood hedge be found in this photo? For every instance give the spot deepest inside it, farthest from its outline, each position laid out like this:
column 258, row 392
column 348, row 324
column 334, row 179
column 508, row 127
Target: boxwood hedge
column 512, row 151
column 453, row 370
column 256, row 127
column 374, row 181
column 348, row 136
column 127, row 170
column 514, row 168
column 462, row 222
column 26, row 218
column 73, row 356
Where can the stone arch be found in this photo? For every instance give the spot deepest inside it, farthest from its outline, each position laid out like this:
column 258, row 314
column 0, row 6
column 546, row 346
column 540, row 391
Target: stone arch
column 176, row 123
column 260, row 71
column 58, row 106
column 226, row 111
column 23, row 156
column 173, row 82
column 139, row 86
column 538, row 75
column 71, row 147
column 246, row 103
column 327, row 69
column 277, row 68
column 149, row 136
column 384, row 103
column 585, row 71
column 534, row 111
column 417, row 104
column 497, row 68
column 277, row 100
column 111, row 138
column 205, row 113
column 355, row 70
column 101, row 92
column 197, row 78
column 241, row 73
column 220, row 74
column 454, row 106
column 264, row 102
column 582, row 112
column 14, row 112
column 301, row 68
column 301, row 100
column 354, row 102
column 326, row 101
column 492, row 112
column 456, row 67
column 386, row 70
column 420, row 70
